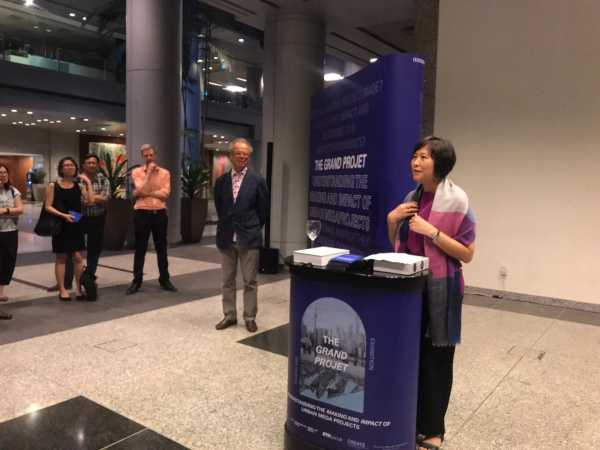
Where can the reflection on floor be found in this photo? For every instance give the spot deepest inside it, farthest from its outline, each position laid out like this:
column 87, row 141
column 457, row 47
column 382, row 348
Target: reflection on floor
column 29, row 241
column 525, row 375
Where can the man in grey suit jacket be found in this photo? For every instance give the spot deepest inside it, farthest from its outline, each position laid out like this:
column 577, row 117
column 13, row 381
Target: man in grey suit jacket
column 242, row 203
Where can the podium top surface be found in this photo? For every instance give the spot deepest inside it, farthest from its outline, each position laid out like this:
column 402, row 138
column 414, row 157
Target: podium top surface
column 310, row 269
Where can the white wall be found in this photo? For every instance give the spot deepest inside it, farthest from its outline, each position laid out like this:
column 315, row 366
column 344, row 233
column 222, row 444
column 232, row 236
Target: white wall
column 518, row 92
column 51, row 145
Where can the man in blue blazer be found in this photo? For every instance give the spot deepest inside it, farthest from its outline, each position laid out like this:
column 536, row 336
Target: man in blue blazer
column 242, row 203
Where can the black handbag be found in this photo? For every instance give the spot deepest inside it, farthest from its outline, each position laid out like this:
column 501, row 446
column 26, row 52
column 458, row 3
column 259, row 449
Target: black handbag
column 48, row 224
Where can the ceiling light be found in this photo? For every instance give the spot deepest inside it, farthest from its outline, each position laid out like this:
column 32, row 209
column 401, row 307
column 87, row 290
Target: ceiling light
column 332, row 76
column 209, row 67
column 103, row 129
column 48, row 30
column 84, row 18
column 72, row 14
column 203, row 69
column 3, row 115
column 58, row 121
column 372, row 60
column 241, row 79
column 200, row 61
column 20, row 122
column 33, row 124
column 72, row 117
column 39, row 120
column 234, row 88
column 30, row 112
column 14, row 123
column 26, row 124
column 86, row 119
column 222, row 137
column 78, row 131
column 216, row 58
column 84, row 130
column 241, row 40
column 215, row 136
column 121, row 134
column 45, row 120
column 52, row 121
column 36, row 27
column 212, row 83
column 28, row 2
column 13, row 110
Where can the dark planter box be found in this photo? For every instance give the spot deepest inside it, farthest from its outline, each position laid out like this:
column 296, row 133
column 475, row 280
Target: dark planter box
column 193, row 218
column 119, row 212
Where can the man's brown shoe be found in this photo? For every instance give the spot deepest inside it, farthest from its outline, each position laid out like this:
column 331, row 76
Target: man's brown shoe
column 225, row 323
column 251, row 326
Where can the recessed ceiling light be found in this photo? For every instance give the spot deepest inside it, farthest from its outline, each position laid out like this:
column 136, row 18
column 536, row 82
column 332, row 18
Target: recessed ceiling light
column 234, row 88
column 20, row 122
column 121, row 134
column 3, row 115
column 209, row 67
column 215, row 136
column 28, row 2
column 30, row 112
column 84, row 18
column 332, row 76
column 14, row 123
column 39, row 120
column 26, row 124
column 33, row 124
column 72, row 14
column 13, row 110
column 103, row 129
column 78, row 131
column 84, row 130
column 201, row 35
column 200, row 60
column 72, row 117
column 59, row 121
column 36, row 27
column 52, row 121
column 216, row 58
column 48, row 30
column 241, row 40
column 45, row 120
column 241, row 79
column 203, row 69
column 86, row 119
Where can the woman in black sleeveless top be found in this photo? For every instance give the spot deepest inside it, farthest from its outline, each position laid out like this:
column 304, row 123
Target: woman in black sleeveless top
column 64, row 200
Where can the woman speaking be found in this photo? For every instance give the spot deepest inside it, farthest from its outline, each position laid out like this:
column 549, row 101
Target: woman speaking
column 435, row 221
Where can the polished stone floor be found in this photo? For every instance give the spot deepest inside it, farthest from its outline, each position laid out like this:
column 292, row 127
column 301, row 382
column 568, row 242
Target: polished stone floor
column 149, row 371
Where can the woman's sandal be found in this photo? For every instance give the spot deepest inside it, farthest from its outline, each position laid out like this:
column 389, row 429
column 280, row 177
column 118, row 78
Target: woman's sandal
column 64, row 299
column 422, row 444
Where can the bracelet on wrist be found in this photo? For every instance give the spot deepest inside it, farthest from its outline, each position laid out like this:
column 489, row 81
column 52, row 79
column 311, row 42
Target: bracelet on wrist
column 435, row 236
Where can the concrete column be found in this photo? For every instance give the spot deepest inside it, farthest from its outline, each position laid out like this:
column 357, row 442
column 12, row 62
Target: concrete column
column 154, row 90
column 293, row 73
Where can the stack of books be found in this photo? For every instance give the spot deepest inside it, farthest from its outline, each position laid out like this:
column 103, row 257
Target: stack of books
column 318, row 256
column 399, row 263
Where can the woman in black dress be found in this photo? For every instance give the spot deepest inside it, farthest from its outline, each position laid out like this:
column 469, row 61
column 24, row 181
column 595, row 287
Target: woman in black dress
column 64, row 200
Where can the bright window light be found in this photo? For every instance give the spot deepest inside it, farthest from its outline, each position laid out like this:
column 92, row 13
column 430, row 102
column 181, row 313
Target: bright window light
column 332, row 76
column 235, row 89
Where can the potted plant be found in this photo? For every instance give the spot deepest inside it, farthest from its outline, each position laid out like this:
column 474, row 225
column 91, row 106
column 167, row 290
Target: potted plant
column 38, row 187
column 194, row 203
column 119, row 209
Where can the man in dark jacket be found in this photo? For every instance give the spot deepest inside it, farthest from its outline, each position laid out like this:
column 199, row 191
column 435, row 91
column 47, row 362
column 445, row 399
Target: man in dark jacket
column 242, row 203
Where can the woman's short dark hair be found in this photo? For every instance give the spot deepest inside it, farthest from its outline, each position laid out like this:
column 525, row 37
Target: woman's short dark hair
column 61, row 163
column 7, row 184
column 442, row 153
column 91, row 155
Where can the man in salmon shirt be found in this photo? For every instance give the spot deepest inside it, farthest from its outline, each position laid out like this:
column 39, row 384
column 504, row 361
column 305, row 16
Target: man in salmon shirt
column 152, row 186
